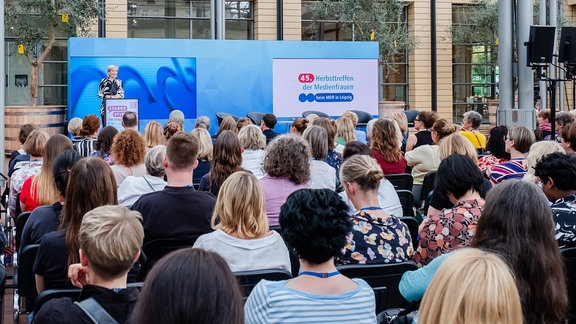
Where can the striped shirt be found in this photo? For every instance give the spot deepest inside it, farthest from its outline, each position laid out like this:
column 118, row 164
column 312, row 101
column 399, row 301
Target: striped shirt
column 513, row 169
column 85, row 146
column 273, row 302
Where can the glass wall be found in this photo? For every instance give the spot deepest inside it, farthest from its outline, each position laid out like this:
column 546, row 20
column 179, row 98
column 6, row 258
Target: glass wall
column 474, row 72
column 187, row 19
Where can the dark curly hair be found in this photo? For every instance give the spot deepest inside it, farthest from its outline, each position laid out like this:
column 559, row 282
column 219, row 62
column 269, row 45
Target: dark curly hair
column 559, row 167
column 497, row 142
column 288, row 156
column 128, row 148
column 105, row 139
column 315, row 223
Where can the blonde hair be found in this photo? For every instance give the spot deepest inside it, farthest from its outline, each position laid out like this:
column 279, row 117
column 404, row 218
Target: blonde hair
column 36, row 142
column 472, row 286
column 153, row 134
column 240, row 207
column 457, row 144
column 523, row 138
column 228, row 123
column 74, row 126
column 111, row 237
column 537, row 151
column 311, row 118
column 352, row 116
column 43, row 188
column 345, row 129
column 252, row 138
column 205, row 143
column 401, row 120
column 362, row 169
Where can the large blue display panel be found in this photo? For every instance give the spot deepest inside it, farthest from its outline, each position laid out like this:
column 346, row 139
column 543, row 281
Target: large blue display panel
column 202, row 77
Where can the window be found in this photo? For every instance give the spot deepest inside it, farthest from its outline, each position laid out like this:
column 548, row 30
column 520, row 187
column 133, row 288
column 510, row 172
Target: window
column 187, row 19
column 474, row 73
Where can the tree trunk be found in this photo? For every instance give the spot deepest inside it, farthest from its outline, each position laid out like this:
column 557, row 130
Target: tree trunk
column 34, row 84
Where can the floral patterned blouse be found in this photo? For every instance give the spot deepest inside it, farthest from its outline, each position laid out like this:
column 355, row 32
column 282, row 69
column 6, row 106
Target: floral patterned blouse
column 448, row 230
column 488, row 161
column 377, row 240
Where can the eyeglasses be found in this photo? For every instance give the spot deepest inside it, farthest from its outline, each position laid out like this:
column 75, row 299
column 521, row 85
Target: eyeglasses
column 416, row 119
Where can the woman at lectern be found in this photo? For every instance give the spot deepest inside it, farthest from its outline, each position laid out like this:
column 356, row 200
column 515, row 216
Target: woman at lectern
column 110, row 87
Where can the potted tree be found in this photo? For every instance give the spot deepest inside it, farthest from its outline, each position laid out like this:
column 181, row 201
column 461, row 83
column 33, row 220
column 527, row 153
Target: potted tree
column 37, row 23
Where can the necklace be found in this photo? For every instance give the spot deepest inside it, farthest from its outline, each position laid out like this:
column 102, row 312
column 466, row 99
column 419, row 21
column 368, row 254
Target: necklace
column 319, row 274
column 371, row 208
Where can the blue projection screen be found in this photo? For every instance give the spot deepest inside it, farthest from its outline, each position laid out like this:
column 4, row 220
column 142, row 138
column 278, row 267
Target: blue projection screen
column 203, row 77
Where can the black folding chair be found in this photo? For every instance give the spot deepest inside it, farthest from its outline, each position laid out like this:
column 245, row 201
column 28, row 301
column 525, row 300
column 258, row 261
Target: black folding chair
column 154, row 250
column 401, row 181
column 249, row 279
column 412, row 224
column 407, row 201
column 569, row 256
column 26, row 280
column 20, row 222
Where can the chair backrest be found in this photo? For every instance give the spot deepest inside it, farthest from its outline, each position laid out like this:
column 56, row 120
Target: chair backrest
column 363, row 117
column 569, row 256
column 427, row 185
column 319, row 113
column 46, row 295
column 249, row 279
column 401, row 181
column 26, row 278
column 411, row 115
column 221, row 115
column 255, row 117
column 407, row 201
column 412, row 224
column 20, row 222
column 382, row 275
column 154, row 250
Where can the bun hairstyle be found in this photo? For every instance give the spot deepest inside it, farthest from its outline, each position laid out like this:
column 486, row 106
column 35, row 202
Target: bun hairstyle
column 300, row 124
column 443, row 128
column 362, row 169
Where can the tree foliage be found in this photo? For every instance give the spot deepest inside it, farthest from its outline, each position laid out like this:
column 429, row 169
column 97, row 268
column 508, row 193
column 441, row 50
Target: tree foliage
column 38, row 22
column 384, row 19
column 480, row 26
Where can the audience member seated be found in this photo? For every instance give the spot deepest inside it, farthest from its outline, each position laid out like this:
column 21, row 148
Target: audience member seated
column 544, row 124
column 172, row 127
column 46, row 219
column 460, row 180
column 471, row 121
column 563, row 119
column 41, row 190
column 450, row 145
column 34, row 146
column 130, row 120
column 204, row 153
column 178, row 117
column 91, row 184
column 422, row 123
column 177, row 211
column 287, row 169
column 568, row 139
column 267, row 126
column 242, row 122
column 472, row 286
column 314, row 223
column 517, row 224
column 299, row 126
column 400, row 118
column 333, row 158
column 103, row 269
column 322, row 175
column 496, row 148
column 557, row 174
column 537, row 151
column 376, row 236
column 228, row 124
column 89, row 134
column 253, row 143
column 388, row 198
column 128, row 152
column 203, row 122
column 426, row 158
column 153, row 134
column 21, row 155
column 360, row 135
column 227, row 159
column 134, row 187
column 74, row 127
column 385, row 147
column 344, row 132
column 518, row 142
column 103, row 144
column 194, row 286
column 241, row 233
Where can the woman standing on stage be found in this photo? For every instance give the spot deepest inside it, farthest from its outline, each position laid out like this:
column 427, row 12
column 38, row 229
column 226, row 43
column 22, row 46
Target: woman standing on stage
column 110, row 87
